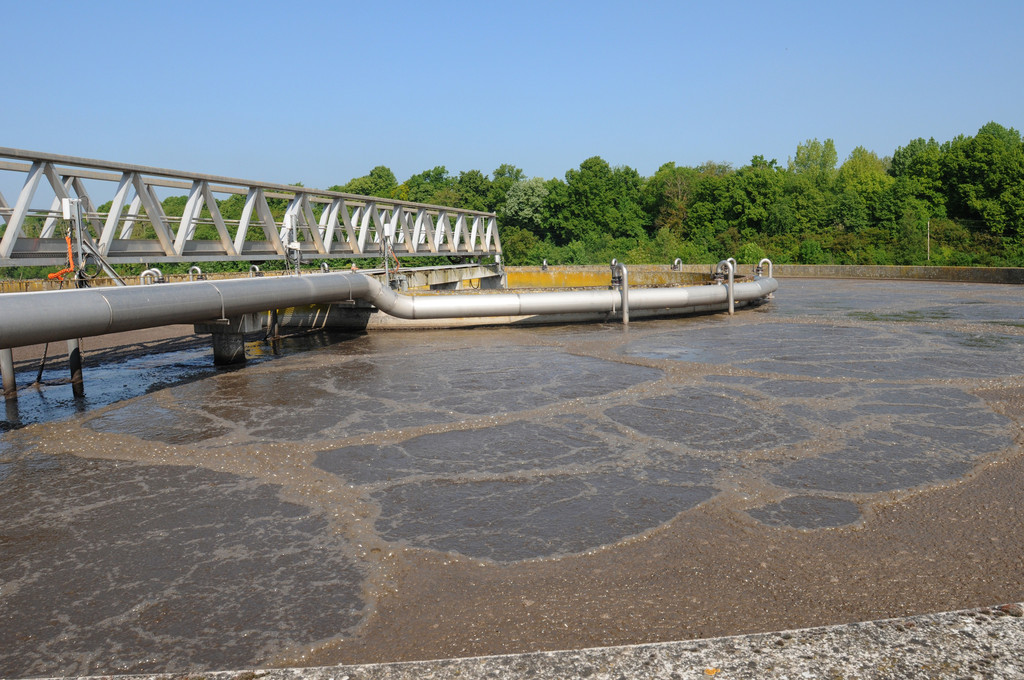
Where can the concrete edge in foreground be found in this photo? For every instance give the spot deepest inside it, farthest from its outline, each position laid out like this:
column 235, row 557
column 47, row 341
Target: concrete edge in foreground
column 976, row 643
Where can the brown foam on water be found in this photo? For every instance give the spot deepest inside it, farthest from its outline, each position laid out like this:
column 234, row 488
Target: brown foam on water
column 835, row 455
column 711, row 572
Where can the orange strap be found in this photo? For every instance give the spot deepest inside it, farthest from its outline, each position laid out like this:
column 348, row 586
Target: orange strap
column 59, row 276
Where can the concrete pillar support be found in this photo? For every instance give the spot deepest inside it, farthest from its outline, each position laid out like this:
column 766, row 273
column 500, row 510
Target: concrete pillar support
column 75, row 366
column 228, row 348
column 228, row 336
column 7, row 368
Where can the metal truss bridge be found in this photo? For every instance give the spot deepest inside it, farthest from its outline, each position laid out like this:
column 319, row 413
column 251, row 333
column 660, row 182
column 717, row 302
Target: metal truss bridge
column 276, row 221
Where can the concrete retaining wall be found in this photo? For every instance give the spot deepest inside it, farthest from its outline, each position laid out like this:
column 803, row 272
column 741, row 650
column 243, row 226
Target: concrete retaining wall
column 649, row 275
column 587, row 276
column 959, row 274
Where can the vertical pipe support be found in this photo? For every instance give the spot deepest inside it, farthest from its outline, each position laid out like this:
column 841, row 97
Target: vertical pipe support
column 7, row 369
column 623, row 276
column 732, row 282
column 728, row 264
column 760, row 270
column 228, row 336
column 75, row 366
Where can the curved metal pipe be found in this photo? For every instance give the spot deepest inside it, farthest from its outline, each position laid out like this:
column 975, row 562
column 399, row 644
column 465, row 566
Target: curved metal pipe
column 48, row 316
column 624, row 288
column 730, row 264
column 559, row 302
column 149, row 276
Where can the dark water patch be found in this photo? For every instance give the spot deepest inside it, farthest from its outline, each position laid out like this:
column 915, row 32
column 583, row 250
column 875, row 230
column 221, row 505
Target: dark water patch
column 876, row 469
column 498, row 450
column 791, row 348
column 106, row 383
column 708, row 419
column 911, row 315
column 112, row 567
column 786, row 389
column 144, row 419
column 302, row 342
column 980, row 341
column 323, row 398
column 895, row 301
column 527, row 518
column 122, row 373
column 522, row 490
column 839, row 351
column 265, row 405
column 953, row 440
column 808, row 512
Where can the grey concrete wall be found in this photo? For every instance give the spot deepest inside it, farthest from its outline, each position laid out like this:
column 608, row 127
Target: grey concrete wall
column 782, row 271
column 960, row 274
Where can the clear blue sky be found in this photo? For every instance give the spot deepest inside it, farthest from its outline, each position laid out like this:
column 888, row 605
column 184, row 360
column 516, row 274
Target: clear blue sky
column 320, row 92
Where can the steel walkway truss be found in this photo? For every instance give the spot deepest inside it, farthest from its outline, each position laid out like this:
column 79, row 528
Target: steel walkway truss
column 132, row 226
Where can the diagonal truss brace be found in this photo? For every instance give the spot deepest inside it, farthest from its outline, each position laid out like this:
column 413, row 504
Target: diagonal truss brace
column 136, row 228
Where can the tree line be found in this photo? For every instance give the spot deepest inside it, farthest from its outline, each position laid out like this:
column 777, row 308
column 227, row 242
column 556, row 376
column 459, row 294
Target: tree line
column 958, row 202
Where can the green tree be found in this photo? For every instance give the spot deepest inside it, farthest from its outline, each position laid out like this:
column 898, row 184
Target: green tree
column 602, row 200
column 474, row 189
column 753, row 194
column 805, row 206
column 380, row 182
column 505, row 177
column 430, row 186
column 984, row 178
column 864, row 173
column 816, row 160
column 524, row 206
column 708, row 217
column 667, row 197
column 811, row 252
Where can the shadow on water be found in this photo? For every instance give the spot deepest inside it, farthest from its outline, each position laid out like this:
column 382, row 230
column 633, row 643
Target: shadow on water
column 122, row 373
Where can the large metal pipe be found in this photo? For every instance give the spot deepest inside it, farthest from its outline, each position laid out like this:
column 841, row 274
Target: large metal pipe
column 48, row 316
column 32, row 318
column 559, row 302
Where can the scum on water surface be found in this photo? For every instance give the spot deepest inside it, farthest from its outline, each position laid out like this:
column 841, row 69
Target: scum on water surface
column 247, row 517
